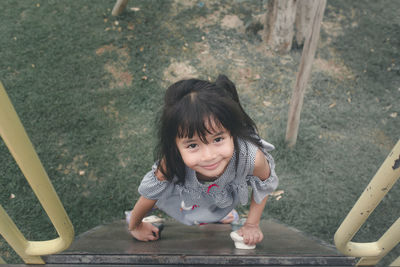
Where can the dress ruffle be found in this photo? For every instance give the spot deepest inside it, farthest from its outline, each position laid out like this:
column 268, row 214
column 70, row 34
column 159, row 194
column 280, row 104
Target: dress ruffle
column 151, row 187
column 261, row 188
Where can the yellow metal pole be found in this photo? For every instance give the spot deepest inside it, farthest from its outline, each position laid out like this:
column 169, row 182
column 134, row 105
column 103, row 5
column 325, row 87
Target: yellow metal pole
column 15, row 239
column 387, row 242
column 17, row 141
column 395, row 263
column 384, row 179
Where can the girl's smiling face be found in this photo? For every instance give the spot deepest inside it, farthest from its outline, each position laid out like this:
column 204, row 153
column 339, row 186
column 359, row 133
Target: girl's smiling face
column 209, row 159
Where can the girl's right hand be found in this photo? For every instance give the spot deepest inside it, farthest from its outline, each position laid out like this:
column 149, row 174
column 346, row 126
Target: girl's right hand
column 145, row 232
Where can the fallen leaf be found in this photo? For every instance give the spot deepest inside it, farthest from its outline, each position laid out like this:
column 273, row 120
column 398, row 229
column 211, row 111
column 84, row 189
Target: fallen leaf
column 332, row 105
column 267, row 103
column 81, row 173
column 393, row 115
column 135, row 9
column 12, row 196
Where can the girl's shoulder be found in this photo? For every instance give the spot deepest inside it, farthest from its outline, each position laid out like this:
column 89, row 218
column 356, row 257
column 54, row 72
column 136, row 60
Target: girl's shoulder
column 252, row 156
column 246, row 147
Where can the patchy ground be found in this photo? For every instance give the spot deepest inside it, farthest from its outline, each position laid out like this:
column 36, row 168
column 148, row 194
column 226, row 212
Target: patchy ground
column 89, row 95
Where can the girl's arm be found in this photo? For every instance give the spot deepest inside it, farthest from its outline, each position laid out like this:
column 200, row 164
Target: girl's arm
column 142, row 231
column 251, row 231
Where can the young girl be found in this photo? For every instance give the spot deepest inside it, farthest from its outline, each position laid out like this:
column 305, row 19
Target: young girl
column 208, row 154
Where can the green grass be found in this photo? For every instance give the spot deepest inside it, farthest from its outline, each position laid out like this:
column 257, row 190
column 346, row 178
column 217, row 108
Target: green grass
column 76, row 78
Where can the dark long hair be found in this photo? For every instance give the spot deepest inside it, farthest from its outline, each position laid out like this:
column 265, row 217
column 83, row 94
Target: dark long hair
column 190, row 106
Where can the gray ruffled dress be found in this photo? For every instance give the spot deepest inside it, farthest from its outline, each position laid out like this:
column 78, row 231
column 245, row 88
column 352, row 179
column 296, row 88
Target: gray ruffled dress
column 195, row 202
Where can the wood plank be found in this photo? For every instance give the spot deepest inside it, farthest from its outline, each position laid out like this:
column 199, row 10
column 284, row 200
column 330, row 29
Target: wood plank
column 207, row 244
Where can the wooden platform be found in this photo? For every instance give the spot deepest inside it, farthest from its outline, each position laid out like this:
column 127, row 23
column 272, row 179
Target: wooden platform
column 199, row 245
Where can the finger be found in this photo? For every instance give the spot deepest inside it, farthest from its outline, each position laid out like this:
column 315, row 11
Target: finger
column 240, row 232
column 152, row 238
column 246, row 239
column 260, row 238
column 251, row 240
column 155, row 231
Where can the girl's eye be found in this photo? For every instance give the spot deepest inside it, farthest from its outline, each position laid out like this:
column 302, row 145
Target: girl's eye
column 218, row 139
column 192, row 146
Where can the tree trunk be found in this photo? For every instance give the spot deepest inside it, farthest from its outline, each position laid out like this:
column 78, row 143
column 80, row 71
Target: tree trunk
column 304, row 14
column 279, row 30
column 307, row 58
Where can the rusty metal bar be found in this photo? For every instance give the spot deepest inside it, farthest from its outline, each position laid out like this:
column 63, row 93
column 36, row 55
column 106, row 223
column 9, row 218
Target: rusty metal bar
column 372, row 252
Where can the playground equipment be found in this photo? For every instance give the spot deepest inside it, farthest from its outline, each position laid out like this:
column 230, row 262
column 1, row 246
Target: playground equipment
column 211, row 244
column 17, row 141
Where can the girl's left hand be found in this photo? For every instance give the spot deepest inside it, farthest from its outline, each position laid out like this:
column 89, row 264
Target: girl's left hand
column 251, row 234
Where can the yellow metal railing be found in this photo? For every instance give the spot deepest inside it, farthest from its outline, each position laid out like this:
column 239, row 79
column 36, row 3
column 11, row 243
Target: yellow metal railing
column 371, row 253
column 17, row 141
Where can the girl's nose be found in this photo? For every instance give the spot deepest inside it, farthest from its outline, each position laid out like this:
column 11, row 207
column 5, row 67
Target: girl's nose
column 208, row 153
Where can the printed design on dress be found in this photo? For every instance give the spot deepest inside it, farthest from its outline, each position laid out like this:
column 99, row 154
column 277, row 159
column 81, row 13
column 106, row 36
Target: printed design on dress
column 211, row 186
column 184, row 207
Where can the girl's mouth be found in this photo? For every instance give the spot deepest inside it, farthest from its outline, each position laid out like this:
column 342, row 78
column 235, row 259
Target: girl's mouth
column 211, row 167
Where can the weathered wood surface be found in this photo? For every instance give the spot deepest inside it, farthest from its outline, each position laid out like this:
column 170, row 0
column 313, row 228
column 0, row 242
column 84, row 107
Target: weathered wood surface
column 208, row 244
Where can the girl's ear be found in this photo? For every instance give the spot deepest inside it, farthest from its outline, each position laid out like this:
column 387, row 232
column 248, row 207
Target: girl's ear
column 226, row 84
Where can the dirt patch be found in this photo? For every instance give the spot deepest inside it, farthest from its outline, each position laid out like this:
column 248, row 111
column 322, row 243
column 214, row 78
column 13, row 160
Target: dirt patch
column 333, row 68
column 232, row 22
column 107, row 48
column 208, row 60
column 121, row 77
column 113, row 113
column 178, row 6
column 380, row 139
column 179, row 70
column 205, row 22
column 118, row 68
